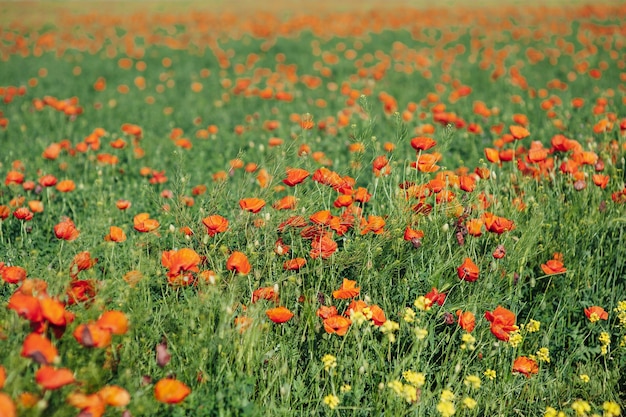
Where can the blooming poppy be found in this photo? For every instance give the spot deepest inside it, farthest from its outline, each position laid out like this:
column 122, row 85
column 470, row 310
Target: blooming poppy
column 502, row 322
column 422, row 143
column 215, row 224
column 295, row 176
column 80, row 291
column 92, row 405
column 144, row 224
column 288, row 202
column 378, row 317
column 180, row 261
column 116, row 234
column 50, row 378
column 14, row 178
column 13, row 274
column 114, row 321
column 114, row 396
column 66, row 186
column 468, row 271
column 264, row 293
column 595, row 313
column 66, row 230
column 325, row 312
column 436, row 297
column 81, row 262
column 22, row 213
column 525, row 366
column 497, row 224
column 553, row 266
column 374, row 224
column 518, row 132
column 53, row 311
column 171, row 391
column 122, row 204
column 92, row 335
column 253, row 204
column 238, row 261
column 294, row 264
column 467, row 320
column 323, row 246
column 39, row 348
column 7, row 406
column 3, row 376
column 337, row 324
column 348, row 290
column 474, row 227
column 279, row 314
column 26, row 306
column 499, row 252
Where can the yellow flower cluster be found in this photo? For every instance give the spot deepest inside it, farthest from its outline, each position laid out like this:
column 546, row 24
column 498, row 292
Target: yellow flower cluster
column 543, row 355
column 581, row 407
column 329, row 362
column 332, row 401
column 611, row 409
column 446, row 404
column 468, row 341
column 532, row 326
column 621, row 313
column 551, row 412
column 410, row 390
column 490, row 374
column 515, row 339
column 388, row 328
column 472, row 381
column 605, row 341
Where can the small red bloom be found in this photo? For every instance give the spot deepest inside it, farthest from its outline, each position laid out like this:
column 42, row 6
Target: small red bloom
column 468, row 271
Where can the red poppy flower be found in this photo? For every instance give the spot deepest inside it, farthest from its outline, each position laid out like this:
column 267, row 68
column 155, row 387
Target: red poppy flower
column 171, row 391
column 497, row 224
column 525, row 366
column 264, row 293
column 499, row 252
column 180, row 264
column 253, row 205
column 92, row 405
column 467, row 320
column 13, row 274
column 468, row 271
column 14, row 178
column 26, row 306
column 23, row 213
column 215, row 224
column 374, row 224
column 279, row 314
column 422, row 143
column 7, row 405
column 348, row 290
column 66, row 230
column 238, row 261
column 288, row 202
column 39, row 348
column 66, row 186
column 295, row 176
column 595, row 313
column 80, row 291
column 81, row 262
column 294, row 264
column 50, row 378
column 502, row 322
column 337, row 324
column 553, row 266
column 518, row 132
column 323, row 246
column 436, row 297
column 92, row 335
column 378, row 315
column 325, row 312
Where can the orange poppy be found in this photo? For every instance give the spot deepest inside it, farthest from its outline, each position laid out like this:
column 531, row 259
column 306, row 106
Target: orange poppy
column 53, row 311
column 595, row 313
column 26, row 306
column 215, row 224
column 80, row 291
column 436, row 297
column 553, row 266
column 323, row 246
column 525, row 366
column 467, row 320
column 92, row 335
column 13, row 274
column 122, row 204
column 468, row 271
column 518, row 132
column 5, row 212
column 347, row 290
column 294, row 264
column 66, row 230
column 92, row 405
column 171, row 391
column 378, row 315
column 50, row 378
column 114, row 321
column 114, row 396
column 264, row 293
column 7, row 406
column 66, row 186
column 474, row 227
column 116, row 234
column 3, row 376
column 14, row 178
column 374, row 224
column 143, row 223
column 81, row 262
column 502, row 322
column 39, row 348
column 253, row 204
column 238, row 261
column 48, row 180
column 325, row 312
column 422, row 143
column 295, row 176
column 279, row 314
column 181, row 263
column 410, row 234
column 497, row 224
column 288, row 202
column 337, row 324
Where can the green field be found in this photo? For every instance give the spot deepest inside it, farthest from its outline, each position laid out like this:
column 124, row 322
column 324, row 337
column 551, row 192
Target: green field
column 341, row 209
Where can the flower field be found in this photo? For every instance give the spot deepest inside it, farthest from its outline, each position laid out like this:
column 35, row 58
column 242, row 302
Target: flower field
column 347, row 210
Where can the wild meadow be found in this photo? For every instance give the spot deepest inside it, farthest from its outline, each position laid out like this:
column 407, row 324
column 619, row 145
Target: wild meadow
column 358, row 212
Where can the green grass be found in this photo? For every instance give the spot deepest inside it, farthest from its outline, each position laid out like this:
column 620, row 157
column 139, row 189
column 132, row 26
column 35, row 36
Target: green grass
column 420, row 59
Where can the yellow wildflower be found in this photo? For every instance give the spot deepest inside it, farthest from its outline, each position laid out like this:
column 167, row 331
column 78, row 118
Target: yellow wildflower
column 358, row 318
column 611, row 409
column 581, row 407
column 420, row 333
column 472, row 381
column 332, row 401
column 515, row 338
column 490, row 374
column 532, row 326
column 584, row 378
column 409, row 315
column 470, row 403
column 551, row 412
column 345, row 388
column 417, row 379
column 423, row 303
column 329, row 362
column 468, row 341
column 543, row 355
